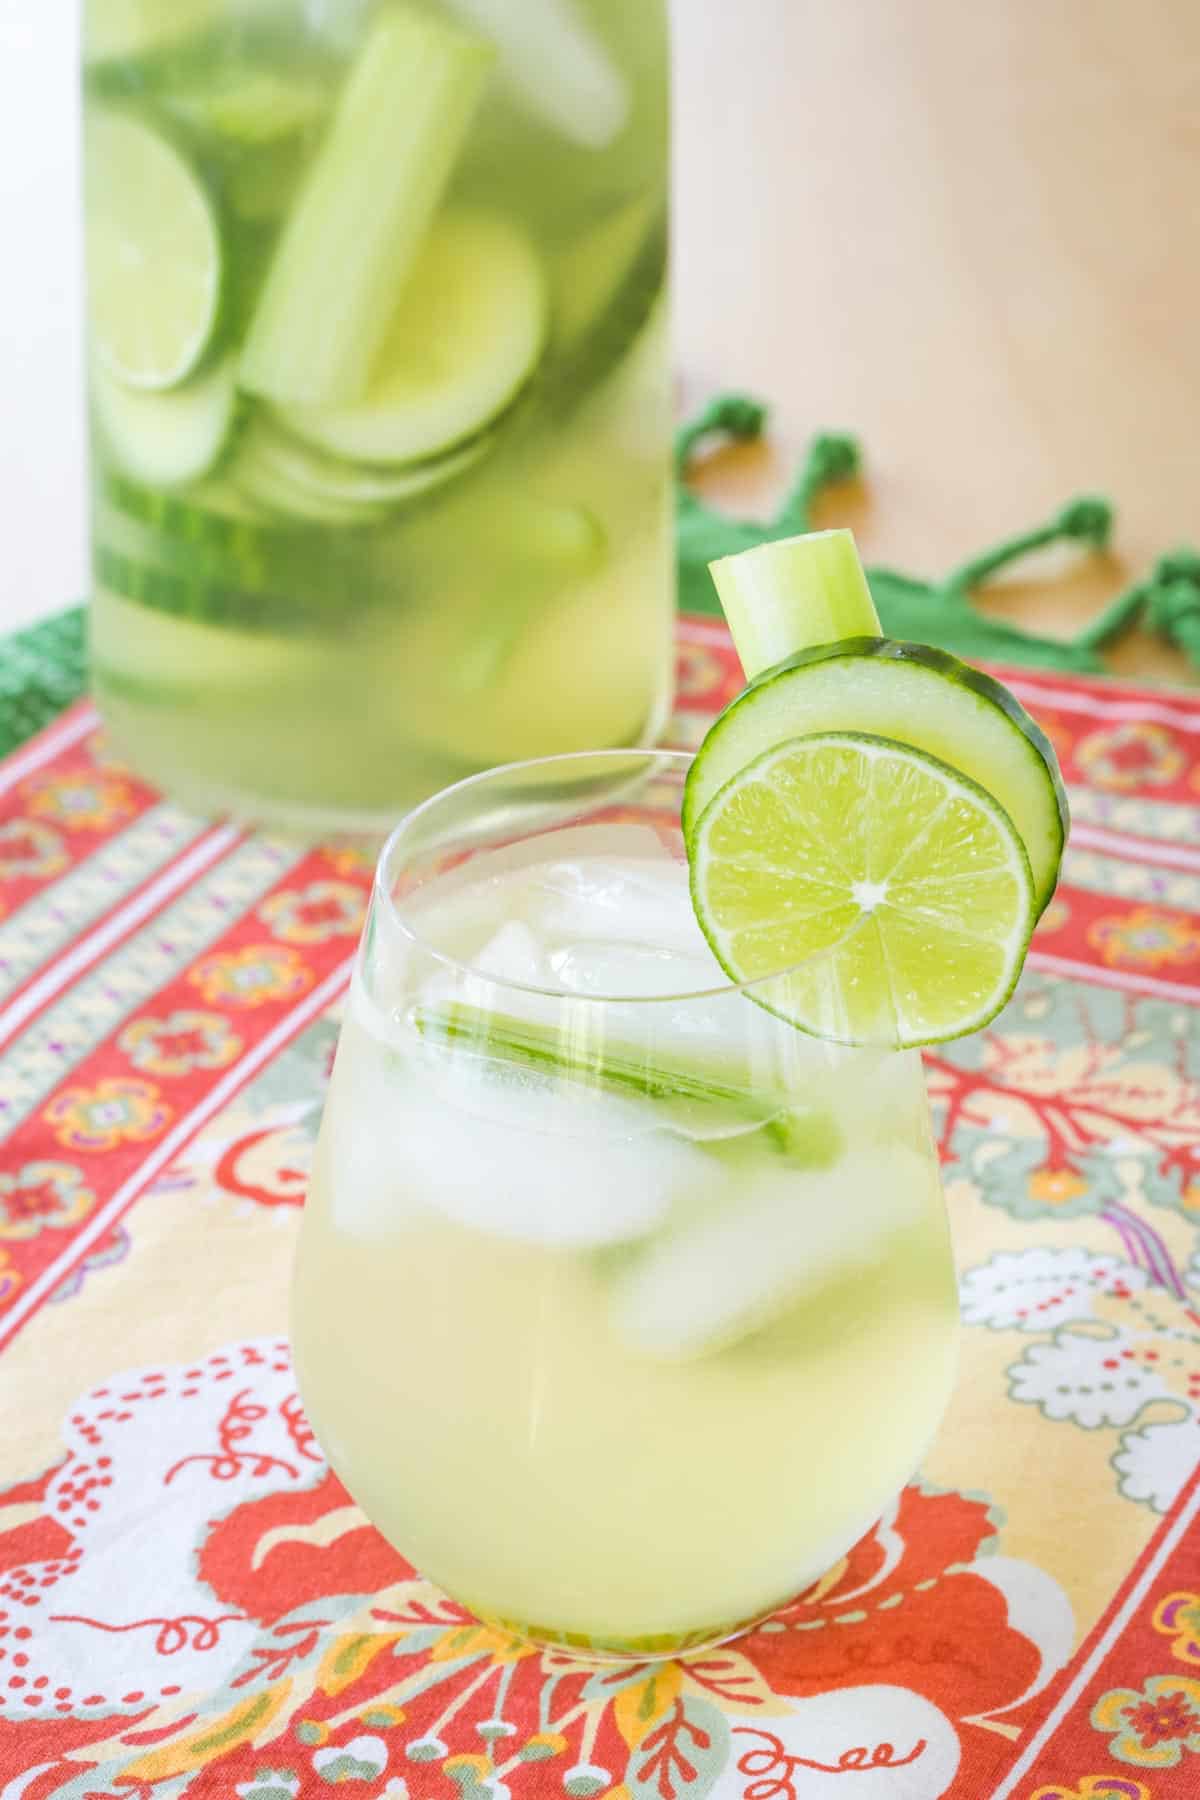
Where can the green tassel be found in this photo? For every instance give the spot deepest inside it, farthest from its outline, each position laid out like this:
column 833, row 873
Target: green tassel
column 939, row 613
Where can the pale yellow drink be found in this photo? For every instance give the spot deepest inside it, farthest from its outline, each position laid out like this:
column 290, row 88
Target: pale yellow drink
column 617, row 1368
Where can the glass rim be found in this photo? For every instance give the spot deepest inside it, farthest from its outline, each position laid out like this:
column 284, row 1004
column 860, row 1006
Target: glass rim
column 677, row 759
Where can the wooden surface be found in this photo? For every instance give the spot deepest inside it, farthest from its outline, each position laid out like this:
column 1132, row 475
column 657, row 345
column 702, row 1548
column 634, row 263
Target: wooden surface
column 970, row 234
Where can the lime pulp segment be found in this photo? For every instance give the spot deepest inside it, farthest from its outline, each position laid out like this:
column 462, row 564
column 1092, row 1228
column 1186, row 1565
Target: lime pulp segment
column 892, row 890
column 153, row 254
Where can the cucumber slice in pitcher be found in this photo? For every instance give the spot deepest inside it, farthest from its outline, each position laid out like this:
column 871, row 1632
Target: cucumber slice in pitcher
column 614, row 267
column 916, row 695
column 167, row 439
column 176, row 660
column 309, row 474
column 464, row 342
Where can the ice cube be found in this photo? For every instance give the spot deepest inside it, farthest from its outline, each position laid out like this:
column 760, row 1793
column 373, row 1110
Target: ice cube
column 523, row 1156
column 546, row 1162
column 644, row 901
column 514, row 954
column 711, row 1278
column 606, row 967
column 362, row 1139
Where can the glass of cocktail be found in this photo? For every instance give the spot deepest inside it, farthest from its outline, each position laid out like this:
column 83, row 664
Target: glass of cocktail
column 622, row 1306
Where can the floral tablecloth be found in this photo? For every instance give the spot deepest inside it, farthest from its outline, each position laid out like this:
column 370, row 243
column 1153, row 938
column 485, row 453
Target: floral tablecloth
column 189, row 1602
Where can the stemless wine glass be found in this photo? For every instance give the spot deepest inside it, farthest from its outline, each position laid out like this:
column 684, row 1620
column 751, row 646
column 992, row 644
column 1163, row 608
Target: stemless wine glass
column 621, row 1306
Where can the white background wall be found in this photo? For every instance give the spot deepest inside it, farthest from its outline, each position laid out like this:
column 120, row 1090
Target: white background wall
column 41, row 417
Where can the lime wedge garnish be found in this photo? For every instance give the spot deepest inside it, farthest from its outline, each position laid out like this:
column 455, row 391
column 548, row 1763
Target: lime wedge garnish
column 153, row 254
column 894, row 889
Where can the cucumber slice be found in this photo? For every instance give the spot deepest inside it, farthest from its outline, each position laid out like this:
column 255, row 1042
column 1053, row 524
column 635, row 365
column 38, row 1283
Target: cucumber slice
column 213, row 513
column 350, row 242
column 464, row 342
column 115, row 29
column 284, row 599
column 257, row 474
column 589, row 274
column 168, row 439
column 154, row 257
column 916, row 695
column 137, row 652
column 601, row 317
column 308, row 472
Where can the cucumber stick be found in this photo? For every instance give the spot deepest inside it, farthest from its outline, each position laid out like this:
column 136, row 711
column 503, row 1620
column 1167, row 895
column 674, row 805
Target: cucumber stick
column 167, row 439
column 353, row 235
column 463, row 342
column 634, row 1071
column 794, row 593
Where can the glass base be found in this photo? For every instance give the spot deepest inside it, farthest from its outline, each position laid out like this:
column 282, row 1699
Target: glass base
column 657, row 1647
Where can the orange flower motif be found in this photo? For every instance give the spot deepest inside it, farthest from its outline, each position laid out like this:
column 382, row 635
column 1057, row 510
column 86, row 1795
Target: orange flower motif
column 180, row 1043
column 80, row 799
column 256, row 976
column 116, row 1111
column 10, row 1278
column 1155, row 1727
column 1057, row 1187
column 1130, row 756
column 1178, row 1617
column 1056, row 915
column 699, row 672
column 30, row 851
column 1095, row 1787
column 351, row 859
column 1145, row 939
column 322, row 910
column 42, row 1195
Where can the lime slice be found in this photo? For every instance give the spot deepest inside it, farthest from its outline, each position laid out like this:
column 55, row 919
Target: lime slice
column 153, row 252
column 894, row 889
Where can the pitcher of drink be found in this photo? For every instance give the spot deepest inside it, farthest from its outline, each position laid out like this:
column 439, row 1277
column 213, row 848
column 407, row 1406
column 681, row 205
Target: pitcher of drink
column 378, row 387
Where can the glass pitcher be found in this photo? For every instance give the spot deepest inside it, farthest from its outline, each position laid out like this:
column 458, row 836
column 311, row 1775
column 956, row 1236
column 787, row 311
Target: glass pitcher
column 379, row 393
